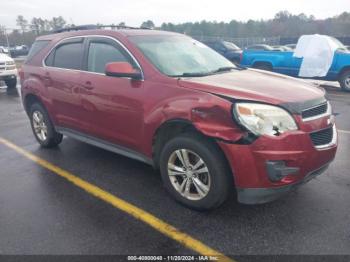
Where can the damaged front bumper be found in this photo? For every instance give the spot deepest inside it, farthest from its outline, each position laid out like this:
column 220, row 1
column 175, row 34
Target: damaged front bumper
column 270, row 167
column 264, row 195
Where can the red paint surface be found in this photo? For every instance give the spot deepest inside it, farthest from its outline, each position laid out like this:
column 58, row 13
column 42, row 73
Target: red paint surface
column 129, row 112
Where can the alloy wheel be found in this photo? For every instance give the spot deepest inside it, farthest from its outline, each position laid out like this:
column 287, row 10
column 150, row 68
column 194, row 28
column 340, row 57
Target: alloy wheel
column 39, row 125
column 189, row 174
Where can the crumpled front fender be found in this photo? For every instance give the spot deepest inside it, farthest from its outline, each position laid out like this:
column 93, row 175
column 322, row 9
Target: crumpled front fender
column 217, row 122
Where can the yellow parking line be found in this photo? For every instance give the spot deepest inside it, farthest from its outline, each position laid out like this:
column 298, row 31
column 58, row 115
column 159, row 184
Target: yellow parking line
column 124, row 206
column 343, row 131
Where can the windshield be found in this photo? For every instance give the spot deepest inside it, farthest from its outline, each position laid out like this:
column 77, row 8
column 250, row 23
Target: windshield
column 180, row 55
column 230, row 45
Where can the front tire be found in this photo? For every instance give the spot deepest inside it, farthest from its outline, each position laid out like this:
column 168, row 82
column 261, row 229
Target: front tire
column 195, row 172
column 344, row 81
column 43, row 128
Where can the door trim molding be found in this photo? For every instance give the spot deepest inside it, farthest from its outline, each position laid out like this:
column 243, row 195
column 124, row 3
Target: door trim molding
column 121, row 150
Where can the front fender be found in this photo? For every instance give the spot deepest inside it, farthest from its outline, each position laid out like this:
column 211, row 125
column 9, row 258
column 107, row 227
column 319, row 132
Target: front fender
column 216, row 121
column 209, row 114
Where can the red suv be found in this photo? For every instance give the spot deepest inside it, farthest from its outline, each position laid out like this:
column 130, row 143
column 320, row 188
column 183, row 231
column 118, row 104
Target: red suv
column 170, row 101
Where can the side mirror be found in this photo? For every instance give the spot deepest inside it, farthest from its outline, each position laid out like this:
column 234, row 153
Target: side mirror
column 122, row 69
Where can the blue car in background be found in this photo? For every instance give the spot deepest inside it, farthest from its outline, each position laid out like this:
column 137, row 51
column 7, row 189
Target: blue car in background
column 284, row 62
column 227, row 49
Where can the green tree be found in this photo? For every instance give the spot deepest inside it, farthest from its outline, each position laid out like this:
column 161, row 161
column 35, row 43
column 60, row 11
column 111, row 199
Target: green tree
column 57, row 23
column 35, row 25
column 22, row 23
column 148, row 24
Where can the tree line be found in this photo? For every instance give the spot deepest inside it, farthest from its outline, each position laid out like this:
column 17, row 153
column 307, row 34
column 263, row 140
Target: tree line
column 29, row 30
column 284, row 25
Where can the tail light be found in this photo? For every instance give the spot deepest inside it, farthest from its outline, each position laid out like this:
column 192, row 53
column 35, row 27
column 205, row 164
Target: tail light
column 20, row 73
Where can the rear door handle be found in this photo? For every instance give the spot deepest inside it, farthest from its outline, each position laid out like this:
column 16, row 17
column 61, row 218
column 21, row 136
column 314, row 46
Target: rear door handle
column 47, row 79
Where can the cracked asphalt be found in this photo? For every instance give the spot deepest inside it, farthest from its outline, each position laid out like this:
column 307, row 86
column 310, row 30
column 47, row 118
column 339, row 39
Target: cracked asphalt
column 41, row 213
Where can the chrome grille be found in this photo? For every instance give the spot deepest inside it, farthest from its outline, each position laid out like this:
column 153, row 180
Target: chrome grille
column 322, row 137
column 314, row 111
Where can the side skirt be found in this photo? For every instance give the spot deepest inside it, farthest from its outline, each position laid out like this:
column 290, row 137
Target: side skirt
column 104, row 144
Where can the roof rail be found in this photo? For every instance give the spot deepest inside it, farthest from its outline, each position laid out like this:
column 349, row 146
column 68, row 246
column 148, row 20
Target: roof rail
column 75, row 28
column 93, row 27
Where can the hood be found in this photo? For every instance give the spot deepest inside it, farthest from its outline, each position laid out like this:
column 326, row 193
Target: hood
column 261, row 86
column 5, row 58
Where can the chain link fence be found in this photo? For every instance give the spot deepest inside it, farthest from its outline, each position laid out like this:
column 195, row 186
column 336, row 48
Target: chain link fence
column 242, row 42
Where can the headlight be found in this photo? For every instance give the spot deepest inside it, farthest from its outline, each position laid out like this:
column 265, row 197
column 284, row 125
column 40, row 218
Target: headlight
column 263, row 119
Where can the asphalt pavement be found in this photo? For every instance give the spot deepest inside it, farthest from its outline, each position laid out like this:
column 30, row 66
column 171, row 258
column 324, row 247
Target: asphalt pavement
column 41, row 213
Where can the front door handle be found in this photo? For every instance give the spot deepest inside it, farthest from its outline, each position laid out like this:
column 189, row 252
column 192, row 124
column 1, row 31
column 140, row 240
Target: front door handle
column 88, row 85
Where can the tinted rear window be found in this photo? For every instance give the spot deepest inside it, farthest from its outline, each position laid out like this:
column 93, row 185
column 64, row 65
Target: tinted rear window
column 36, row 48
column 69, row 56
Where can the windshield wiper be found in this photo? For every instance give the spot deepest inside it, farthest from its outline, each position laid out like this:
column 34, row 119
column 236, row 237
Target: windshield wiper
column 200, row 74
column 223, row 69
column 191, row 75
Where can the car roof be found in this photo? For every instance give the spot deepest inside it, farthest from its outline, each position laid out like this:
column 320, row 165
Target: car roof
column 213, row 41
column 118, row 32
column 263, row 45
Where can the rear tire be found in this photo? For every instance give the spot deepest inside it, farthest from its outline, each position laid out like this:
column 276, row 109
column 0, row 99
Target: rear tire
column 208, row 188
column 344, row 81
column 11, row 83
column 43, row 128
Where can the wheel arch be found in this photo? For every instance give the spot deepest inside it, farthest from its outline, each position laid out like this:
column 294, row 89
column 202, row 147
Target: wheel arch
column 29, row 100
column 173, row 127
column 343, row 70
column 167, row 131
column 258, row 63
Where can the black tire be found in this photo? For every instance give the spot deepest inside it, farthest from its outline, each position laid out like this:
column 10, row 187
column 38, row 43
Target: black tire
column 11, row 83
column 236, row 61
column 344, row 81
column 52, row 138
column 220, row 175
column 263, row 66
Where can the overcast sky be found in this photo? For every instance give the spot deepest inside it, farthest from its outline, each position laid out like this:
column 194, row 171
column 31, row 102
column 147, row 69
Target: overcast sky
column 134, row 12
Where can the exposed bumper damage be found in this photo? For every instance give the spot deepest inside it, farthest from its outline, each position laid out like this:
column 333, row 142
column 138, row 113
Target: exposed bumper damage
column 263, row 195
column 296, row 160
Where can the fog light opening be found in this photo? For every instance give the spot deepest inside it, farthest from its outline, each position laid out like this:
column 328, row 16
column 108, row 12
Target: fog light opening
column 277, row 170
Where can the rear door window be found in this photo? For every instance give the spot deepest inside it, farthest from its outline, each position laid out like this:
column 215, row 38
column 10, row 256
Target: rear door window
column 68, row 56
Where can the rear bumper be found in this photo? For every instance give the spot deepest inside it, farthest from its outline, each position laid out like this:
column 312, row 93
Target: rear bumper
column 264, row 195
